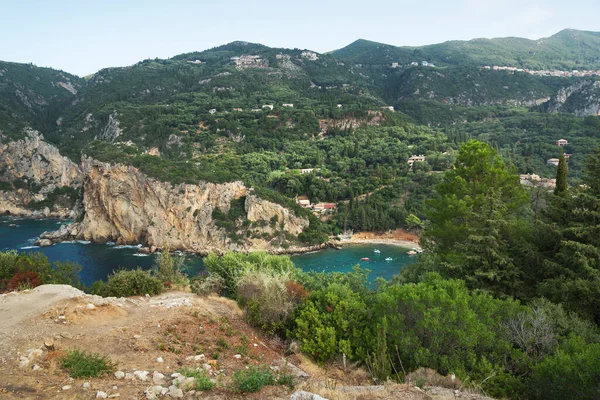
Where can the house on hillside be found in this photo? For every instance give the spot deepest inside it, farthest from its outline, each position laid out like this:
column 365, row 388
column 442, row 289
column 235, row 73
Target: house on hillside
column 552, row 161
column 533, row 180
column 289, row 105
column 305, row 171
column 212, row 111
column 269, row 106
column 562, row 142
column 413, row 159
column 323, row 208
column 238, row 109
column 339, row 106
column 390, row 108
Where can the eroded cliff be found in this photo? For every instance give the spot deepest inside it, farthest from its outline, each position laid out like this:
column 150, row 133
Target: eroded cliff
column 31, row 171
column 125, row 206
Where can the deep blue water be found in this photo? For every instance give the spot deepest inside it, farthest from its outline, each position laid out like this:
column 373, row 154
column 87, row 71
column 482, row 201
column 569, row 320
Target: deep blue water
column 99, row 260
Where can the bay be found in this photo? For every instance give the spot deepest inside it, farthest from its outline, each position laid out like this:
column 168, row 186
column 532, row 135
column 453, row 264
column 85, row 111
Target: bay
column 99, row 260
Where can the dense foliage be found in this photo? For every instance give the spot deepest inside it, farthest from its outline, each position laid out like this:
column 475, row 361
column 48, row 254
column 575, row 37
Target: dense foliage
column 26, row 271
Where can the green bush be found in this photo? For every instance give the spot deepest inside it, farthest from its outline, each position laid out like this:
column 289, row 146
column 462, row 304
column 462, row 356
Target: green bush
column 13, row 263
column 80, row 364
column 170, row 269
column 572, row 373
column 252, row 379
column 202, row 381
column 126, row 283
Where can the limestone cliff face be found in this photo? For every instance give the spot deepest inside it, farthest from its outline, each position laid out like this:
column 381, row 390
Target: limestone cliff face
column 581, row 99
column 262, row 210
column 125, row 206
column 39, row 168
column 34, row 159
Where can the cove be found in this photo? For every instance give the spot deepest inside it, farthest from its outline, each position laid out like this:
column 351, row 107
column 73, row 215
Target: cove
column 99, row 260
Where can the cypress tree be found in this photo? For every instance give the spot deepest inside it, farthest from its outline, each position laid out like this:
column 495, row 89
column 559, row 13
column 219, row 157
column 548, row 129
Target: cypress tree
column 561, row 175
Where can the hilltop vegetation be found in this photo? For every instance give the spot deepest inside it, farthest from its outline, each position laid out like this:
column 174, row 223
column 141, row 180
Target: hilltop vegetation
column 568, row 49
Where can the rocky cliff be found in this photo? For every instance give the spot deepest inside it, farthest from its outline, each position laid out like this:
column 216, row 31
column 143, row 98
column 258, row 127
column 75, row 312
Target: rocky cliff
column 32, row 169
column 581, row 99
column 125, row 206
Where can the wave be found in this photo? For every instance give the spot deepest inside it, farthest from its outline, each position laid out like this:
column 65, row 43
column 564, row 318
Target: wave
column 140, row 255
column 128, row 246
column 29, row 247
column 84, row 242
column 69, row 242
column 110, row 243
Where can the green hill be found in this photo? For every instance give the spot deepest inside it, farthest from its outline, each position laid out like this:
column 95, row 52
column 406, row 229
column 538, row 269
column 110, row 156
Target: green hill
column 568, row 49
column 33, row 96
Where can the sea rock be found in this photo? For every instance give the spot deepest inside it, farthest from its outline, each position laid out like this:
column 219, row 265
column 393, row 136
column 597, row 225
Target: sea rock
column 43, row 242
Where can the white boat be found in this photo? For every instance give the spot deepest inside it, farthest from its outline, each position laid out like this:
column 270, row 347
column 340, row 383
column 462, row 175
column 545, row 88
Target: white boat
column 388, row 259
column 376, row 251
column 411, row 252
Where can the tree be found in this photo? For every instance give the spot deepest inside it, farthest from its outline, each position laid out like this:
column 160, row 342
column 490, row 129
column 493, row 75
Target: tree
column 479, row 176
column 561, row 175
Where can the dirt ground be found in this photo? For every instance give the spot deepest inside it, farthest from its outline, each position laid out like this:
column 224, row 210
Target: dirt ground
column 135, row 332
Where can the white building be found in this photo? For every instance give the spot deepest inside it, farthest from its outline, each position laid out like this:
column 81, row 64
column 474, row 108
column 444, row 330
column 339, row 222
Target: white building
column 212, row 111
column 413, row 159
column 289, row 105
column 269, row 106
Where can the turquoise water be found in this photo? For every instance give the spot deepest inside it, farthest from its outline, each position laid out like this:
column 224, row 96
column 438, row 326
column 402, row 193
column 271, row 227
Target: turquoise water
column 99, row 260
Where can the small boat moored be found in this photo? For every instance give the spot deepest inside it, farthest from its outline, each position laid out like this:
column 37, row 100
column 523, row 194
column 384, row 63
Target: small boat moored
column 411, row 252
column 376, row 251
column 365, row 259
column 388, row 259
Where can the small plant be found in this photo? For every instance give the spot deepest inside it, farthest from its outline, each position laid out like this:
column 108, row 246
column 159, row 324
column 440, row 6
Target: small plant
column 201, row 381
column 243, row 350
column 222, row 344
column 80, row 364
column 286, row 379
column 252, row 379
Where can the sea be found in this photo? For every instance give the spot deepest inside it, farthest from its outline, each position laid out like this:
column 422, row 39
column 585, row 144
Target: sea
column 100, row 260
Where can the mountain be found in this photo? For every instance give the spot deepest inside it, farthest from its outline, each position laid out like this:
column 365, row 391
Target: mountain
column 285, row 123
column 568, row 49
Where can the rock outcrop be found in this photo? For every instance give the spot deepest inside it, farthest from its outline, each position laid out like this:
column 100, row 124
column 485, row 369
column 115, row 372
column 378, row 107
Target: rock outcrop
column 38, row 168
column 34, row 159
column 581, row 99
column 125, row 206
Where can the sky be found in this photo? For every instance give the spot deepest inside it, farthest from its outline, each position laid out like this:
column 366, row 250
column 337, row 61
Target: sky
column 84, row 36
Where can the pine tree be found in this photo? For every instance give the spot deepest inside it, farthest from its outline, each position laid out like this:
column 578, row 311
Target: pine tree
column 561, row 175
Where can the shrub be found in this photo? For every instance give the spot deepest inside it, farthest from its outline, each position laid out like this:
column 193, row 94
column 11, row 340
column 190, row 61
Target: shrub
column 252, row 379
column 80, row 364
column 233, row 266
column 201, row 381
column 27, row 266
column 170, row 269
column 208, row 284
column 126, row 283
column 572, row 373
column 269, row 302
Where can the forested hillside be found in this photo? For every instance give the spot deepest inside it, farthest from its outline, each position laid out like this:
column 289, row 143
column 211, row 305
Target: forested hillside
column 259, row 114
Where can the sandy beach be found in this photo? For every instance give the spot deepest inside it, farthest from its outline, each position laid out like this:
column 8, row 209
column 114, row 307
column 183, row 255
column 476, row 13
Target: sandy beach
column 395, row 242
column 398, row 237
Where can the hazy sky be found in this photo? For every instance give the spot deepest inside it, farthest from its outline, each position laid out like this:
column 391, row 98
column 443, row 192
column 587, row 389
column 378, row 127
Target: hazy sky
column 84, row 36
